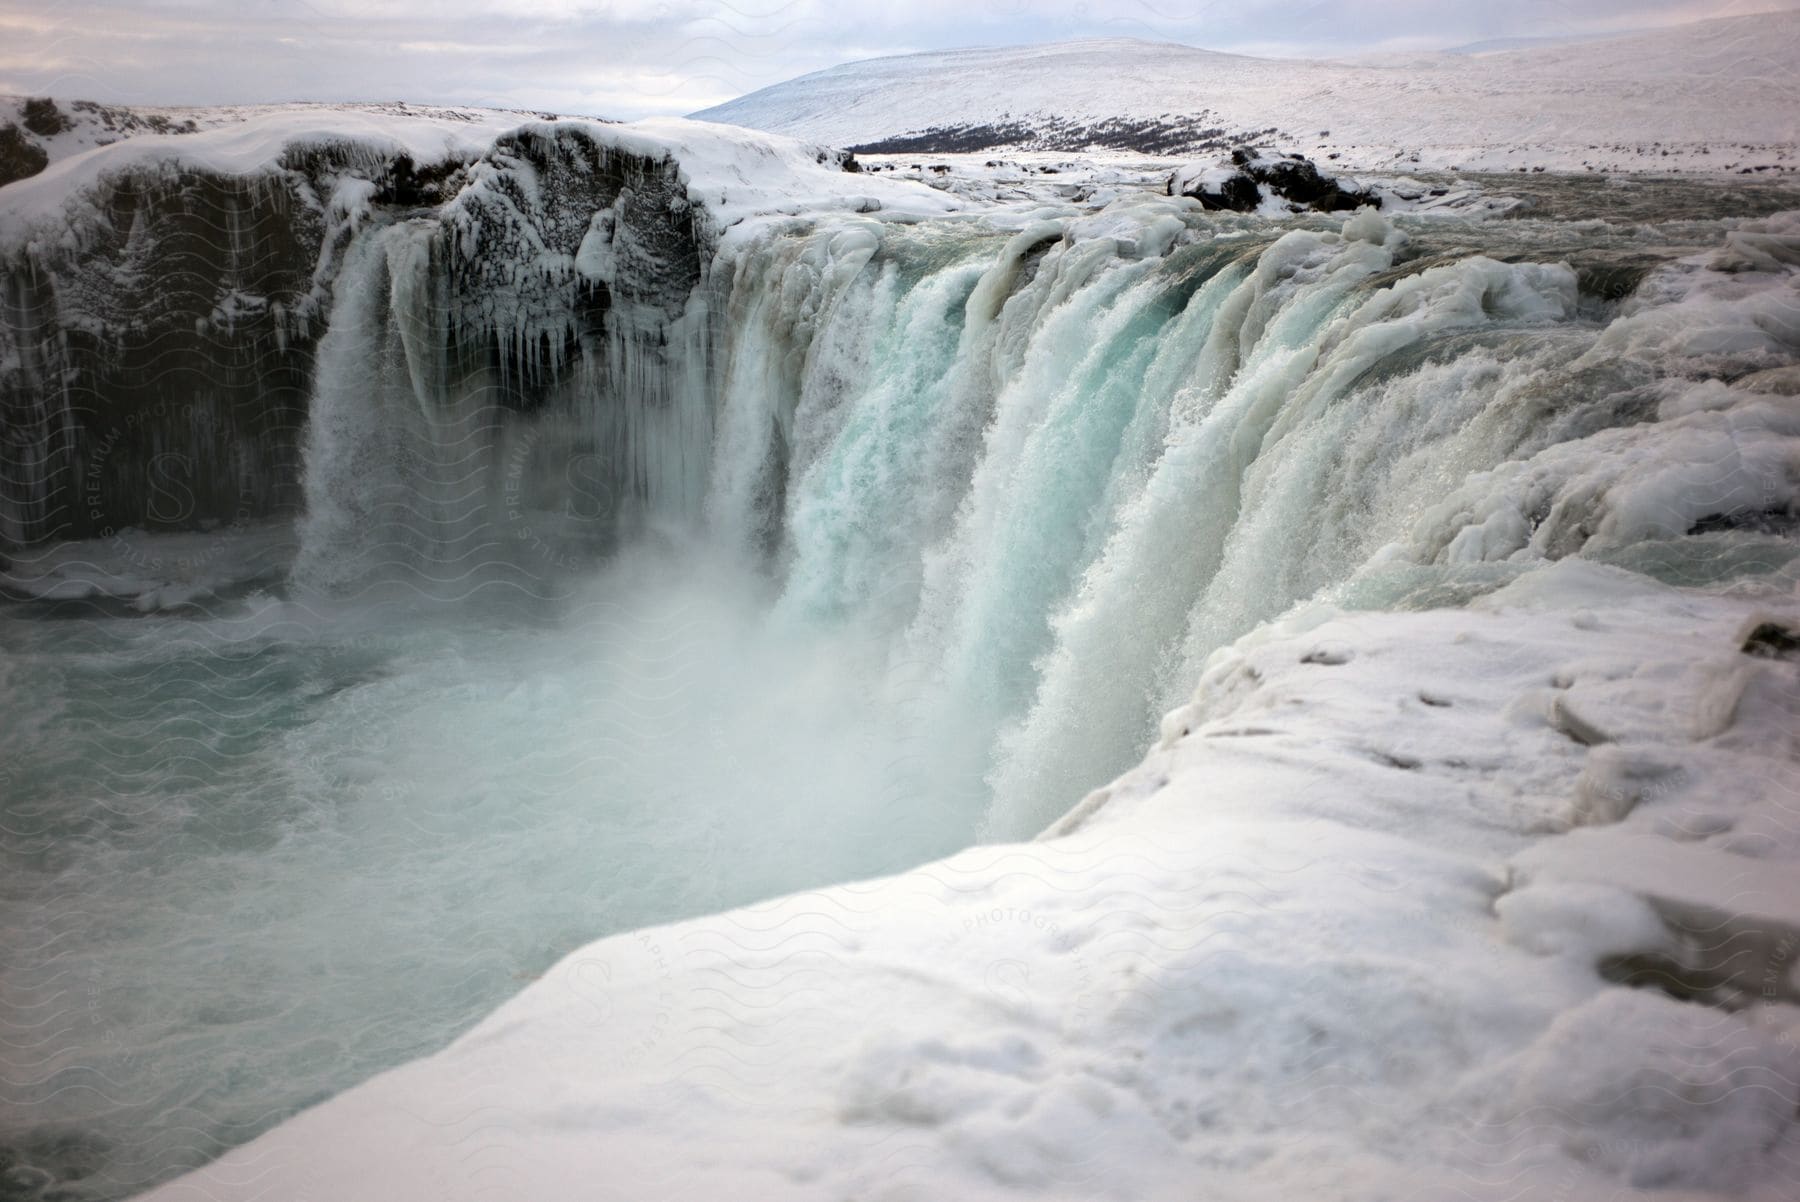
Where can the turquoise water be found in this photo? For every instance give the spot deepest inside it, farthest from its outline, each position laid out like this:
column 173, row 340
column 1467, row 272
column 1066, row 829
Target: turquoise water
column 251, row 858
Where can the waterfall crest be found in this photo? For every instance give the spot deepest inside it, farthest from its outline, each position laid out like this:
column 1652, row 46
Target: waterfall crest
column 1050, row 470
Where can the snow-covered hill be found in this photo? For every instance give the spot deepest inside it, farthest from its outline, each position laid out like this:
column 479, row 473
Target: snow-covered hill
column 1715, row 96
column 37, row 132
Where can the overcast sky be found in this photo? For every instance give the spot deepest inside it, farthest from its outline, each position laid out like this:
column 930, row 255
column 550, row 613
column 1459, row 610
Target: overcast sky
column 630, row 58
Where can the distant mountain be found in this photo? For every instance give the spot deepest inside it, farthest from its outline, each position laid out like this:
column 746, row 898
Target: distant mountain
column 1498, row 45
column 1713, row 96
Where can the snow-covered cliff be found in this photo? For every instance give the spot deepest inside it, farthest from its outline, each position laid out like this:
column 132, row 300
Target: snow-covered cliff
column 164, row 293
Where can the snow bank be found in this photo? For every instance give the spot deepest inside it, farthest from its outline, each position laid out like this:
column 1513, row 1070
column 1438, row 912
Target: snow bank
column 736, row 177
column 254, row 145
column 1314, row 945
column 64, row 128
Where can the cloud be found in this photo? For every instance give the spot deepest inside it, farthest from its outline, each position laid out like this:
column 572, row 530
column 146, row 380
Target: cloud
column 629, row 58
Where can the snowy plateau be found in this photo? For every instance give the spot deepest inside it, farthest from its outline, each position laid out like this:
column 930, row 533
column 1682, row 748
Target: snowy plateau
column 1716, row 96
column 1306, row 703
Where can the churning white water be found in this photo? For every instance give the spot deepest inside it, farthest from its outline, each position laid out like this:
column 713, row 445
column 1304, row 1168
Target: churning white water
column 908, row 543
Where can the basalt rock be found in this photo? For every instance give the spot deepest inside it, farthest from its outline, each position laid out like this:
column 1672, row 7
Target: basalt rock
column 20, row 157
column 1249, row 178
column 157, row 358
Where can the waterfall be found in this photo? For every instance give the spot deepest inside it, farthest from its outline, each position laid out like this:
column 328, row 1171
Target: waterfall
column 1048, row 469
column 1169, row 564
column 1026, row 461
column 648, row 570
column 391, row 448
column 447, row 457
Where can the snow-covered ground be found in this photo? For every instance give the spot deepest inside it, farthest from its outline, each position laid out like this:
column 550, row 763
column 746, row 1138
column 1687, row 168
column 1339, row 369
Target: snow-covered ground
column 70, row 126
column 1711, row 97
column 1096, row 178
column 37, row 132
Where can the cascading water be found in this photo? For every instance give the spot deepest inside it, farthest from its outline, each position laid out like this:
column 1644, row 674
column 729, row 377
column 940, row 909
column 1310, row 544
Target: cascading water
column 392, row 459
column 878, row 539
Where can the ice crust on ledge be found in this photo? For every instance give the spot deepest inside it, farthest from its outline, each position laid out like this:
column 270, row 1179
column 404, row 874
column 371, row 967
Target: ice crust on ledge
column 734, row 173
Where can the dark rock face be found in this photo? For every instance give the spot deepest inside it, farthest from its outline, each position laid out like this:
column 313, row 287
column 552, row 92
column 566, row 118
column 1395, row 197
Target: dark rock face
column 1236, row 193
column 409, row 185
column 43, row 118
column 539, row 197
column 157, row 361
column 1241, row 186
column 1168, row 135
column 20, row 157
column 159, row 372
column 1298, row 181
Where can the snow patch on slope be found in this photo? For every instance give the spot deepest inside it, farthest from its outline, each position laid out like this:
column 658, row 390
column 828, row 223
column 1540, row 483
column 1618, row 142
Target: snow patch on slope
column 1714, row 96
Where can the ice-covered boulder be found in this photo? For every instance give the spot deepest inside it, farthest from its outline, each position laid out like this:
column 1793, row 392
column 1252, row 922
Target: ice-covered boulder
column 1250, row 181
column 1217, row 186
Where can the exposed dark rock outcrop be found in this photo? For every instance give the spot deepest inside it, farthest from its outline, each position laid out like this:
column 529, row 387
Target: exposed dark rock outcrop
column 154, row 374
column 1296, row 179
column 20, row 157
column 41, row 116
column 1167, row 134
column 1218, row 189
column 551, row 193
column 1242, row 183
